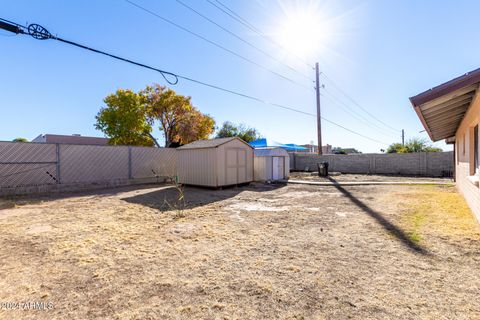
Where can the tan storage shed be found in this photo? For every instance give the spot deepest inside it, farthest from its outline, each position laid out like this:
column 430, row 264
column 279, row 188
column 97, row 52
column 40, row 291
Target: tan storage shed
column 215, row 163
column 271, row 164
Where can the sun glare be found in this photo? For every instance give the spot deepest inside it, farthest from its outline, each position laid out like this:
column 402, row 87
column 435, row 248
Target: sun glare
column 302, row 32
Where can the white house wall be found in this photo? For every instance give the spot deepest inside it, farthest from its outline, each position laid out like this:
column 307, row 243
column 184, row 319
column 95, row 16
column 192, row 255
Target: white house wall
column 464, row 157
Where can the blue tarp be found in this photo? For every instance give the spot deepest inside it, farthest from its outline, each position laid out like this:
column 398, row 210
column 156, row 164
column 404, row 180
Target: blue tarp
column 296, row 147
column 267, row 143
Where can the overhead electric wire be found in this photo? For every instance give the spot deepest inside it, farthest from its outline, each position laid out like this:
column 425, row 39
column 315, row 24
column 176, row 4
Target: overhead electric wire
column 230, row 12
column 216, row 44
column 11, row 22
column 250, row 26
column 279, row 106
column 162, row 72
column 243, row 40
column 358, row 105
column 345, row 107
column 354, row 132
column 40, row 33
column 239, row 18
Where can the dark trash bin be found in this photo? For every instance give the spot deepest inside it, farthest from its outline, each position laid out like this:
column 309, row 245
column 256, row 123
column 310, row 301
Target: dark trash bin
column 323, row 169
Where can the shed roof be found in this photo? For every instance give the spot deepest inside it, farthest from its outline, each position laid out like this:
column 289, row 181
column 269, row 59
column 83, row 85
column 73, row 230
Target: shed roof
column 266, row 152
column 442, row 108
column 211, row 143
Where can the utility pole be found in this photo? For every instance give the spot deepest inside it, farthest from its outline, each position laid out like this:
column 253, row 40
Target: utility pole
column 319, row 118
column 403, row 137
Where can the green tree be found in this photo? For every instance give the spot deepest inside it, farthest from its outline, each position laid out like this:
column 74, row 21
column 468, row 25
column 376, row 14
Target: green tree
column 179, row 120
column 432, row 149
column 338, row 150
column 413, row 145
column 194, row 126
column 245, row 133
column 20, row 140
column 129, row 117
column 124, row 119
column 397, row 148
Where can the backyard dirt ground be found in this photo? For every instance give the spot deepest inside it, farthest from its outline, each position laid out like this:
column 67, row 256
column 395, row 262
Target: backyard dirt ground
column 256, row 252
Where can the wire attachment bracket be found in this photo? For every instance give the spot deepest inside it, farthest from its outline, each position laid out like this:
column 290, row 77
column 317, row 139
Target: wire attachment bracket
column 38, row 32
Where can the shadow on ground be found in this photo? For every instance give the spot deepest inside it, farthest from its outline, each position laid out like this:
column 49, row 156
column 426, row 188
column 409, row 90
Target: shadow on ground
column 380, row 219
column 8, row 202
column 164, row 197
column 172, row 198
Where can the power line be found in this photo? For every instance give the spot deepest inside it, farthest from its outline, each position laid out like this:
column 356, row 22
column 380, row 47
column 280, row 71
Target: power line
column 358, row 105
column 239, row 18
column 353, row 114
column 231, row 13
column 346, row 108
column 279, row 106
column 215, row 44
column 40, row 33
column 243, row 40
column 354, row 132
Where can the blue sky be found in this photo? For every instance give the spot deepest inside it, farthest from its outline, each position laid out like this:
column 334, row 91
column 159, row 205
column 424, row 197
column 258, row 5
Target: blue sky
column 378, row 52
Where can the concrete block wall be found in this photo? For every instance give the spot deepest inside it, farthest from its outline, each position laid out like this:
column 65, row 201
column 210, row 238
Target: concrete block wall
column 440, row 161
column 433, row 164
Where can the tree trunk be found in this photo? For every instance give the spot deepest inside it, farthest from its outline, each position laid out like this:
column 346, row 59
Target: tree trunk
column 154, row 140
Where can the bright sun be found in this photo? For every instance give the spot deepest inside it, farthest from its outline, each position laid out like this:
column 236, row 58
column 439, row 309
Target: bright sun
column 302, row 32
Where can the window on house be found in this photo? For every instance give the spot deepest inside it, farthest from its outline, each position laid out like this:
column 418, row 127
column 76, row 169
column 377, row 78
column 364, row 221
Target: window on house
column 457, row 149
column 476, row 165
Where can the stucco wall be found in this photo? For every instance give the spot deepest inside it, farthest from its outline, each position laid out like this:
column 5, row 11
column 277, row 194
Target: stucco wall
column 464, row 157
column 434, row 164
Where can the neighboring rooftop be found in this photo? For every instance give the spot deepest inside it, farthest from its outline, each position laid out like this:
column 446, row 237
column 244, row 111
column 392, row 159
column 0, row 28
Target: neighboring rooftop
column 211, row 143
column 72, row 139
column 442, row 108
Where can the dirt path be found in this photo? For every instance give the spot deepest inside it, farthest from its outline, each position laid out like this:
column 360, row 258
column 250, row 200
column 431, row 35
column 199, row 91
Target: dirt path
column 276, row 252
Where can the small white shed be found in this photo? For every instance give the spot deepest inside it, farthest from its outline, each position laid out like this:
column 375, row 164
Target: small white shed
column 271, row 164
column 215, row 162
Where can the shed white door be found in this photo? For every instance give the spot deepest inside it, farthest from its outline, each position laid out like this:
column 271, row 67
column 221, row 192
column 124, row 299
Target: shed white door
column 277, row 168
column 236, row 166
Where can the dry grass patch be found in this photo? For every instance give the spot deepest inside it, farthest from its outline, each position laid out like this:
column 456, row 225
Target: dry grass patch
column 439, row 211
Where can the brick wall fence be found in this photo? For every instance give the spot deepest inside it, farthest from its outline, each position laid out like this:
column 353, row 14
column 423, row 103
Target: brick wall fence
column 431, row 164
